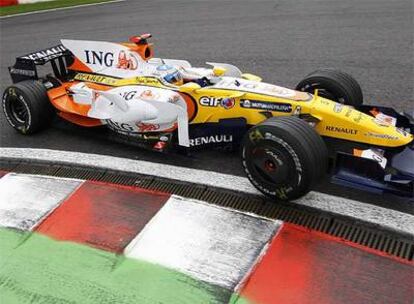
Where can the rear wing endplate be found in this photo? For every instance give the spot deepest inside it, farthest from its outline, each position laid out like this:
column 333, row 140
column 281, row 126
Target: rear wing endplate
column 25, row 67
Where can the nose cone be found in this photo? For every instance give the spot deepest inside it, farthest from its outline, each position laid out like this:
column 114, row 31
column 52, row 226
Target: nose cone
column 344, row 122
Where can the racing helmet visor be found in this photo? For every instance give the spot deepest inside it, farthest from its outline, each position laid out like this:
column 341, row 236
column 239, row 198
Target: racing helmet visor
column 175, row 78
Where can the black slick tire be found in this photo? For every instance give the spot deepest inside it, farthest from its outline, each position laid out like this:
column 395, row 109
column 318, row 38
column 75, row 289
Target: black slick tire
column 334, row 85
column 27, row 107
column 284, row 157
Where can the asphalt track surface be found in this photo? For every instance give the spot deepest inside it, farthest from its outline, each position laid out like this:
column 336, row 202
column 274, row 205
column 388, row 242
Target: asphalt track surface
column 280, row 40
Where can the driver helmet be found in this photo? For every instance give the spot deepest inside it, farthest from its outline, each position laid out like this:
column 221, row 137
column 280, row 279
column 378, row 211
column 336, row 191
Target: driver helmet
column 170, row 74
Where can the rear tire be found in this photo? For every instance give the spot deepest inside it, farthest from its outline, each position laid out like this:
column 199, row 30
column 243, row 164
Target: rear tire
column 27, row 106
column 284, row 157
column 334, row 85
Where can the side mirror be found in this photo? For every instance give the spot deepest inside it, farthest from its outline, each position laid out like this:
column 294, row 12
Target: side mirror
column 189, row 87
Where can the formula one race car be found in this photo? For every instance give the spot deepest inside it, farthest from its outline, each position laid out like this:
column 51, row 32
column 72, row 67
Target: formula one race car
column 289, row 139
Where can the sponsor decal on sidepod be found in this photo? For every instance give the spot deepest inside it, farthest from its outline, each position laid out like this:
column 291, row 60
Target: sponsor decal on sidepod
column 226, row 103
column 265, row 105
column 204, row 140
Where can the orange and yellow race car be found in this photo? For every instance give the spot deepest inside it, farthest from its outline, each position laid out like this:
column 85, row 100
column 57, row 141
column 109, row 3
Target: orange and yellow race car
column 289, row 139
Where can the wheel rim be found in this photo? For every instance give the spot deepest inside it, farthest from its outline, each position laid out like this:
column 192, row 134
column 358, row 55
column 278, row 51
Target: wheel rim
column 270, row 165
column 18, row 110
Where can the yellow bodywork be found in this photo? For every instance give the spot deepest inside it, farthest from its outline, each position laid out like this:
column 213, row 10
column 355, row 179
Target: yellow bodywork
column 347, row 123
column 332, row 119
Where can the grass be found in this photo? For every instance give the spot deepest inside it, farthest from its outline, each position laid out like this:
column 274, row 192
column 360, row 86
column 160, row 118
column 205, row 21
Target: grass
column 38, row 269
column 39, row 6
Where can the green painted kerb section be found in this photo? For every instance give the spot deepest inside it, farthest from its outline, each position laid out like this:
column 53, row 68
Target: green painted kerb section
column 37, row 269
column 39, row 6
column 238, row 299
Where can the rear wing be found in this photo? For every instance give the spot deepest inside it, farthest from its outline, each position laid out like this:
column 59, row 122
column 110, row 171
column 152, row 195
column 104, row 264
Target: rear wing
column 25, row 67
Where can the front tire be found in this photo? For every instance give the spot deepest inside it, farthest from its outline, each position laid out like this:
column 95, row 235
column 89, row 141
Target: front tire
column 27, row 107
column 332, row 84
column 283, row 157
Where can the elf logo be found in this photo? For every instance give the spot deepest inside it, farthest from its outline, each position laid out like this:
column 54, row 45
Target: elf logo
column 209, row 101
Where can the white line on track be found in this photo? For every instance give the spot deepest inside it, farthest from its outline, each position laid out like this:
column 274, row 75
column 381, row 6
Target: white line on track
column 388, row 218
column 59, row 9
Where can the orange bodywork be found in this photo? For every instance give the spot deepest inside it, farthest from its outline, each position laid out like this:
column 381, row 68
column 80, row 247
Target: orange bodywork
column 80, row 120
column 144, row 50
column 60, row 99
column 79, row 66
column 70, row 110
column 191, row 106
